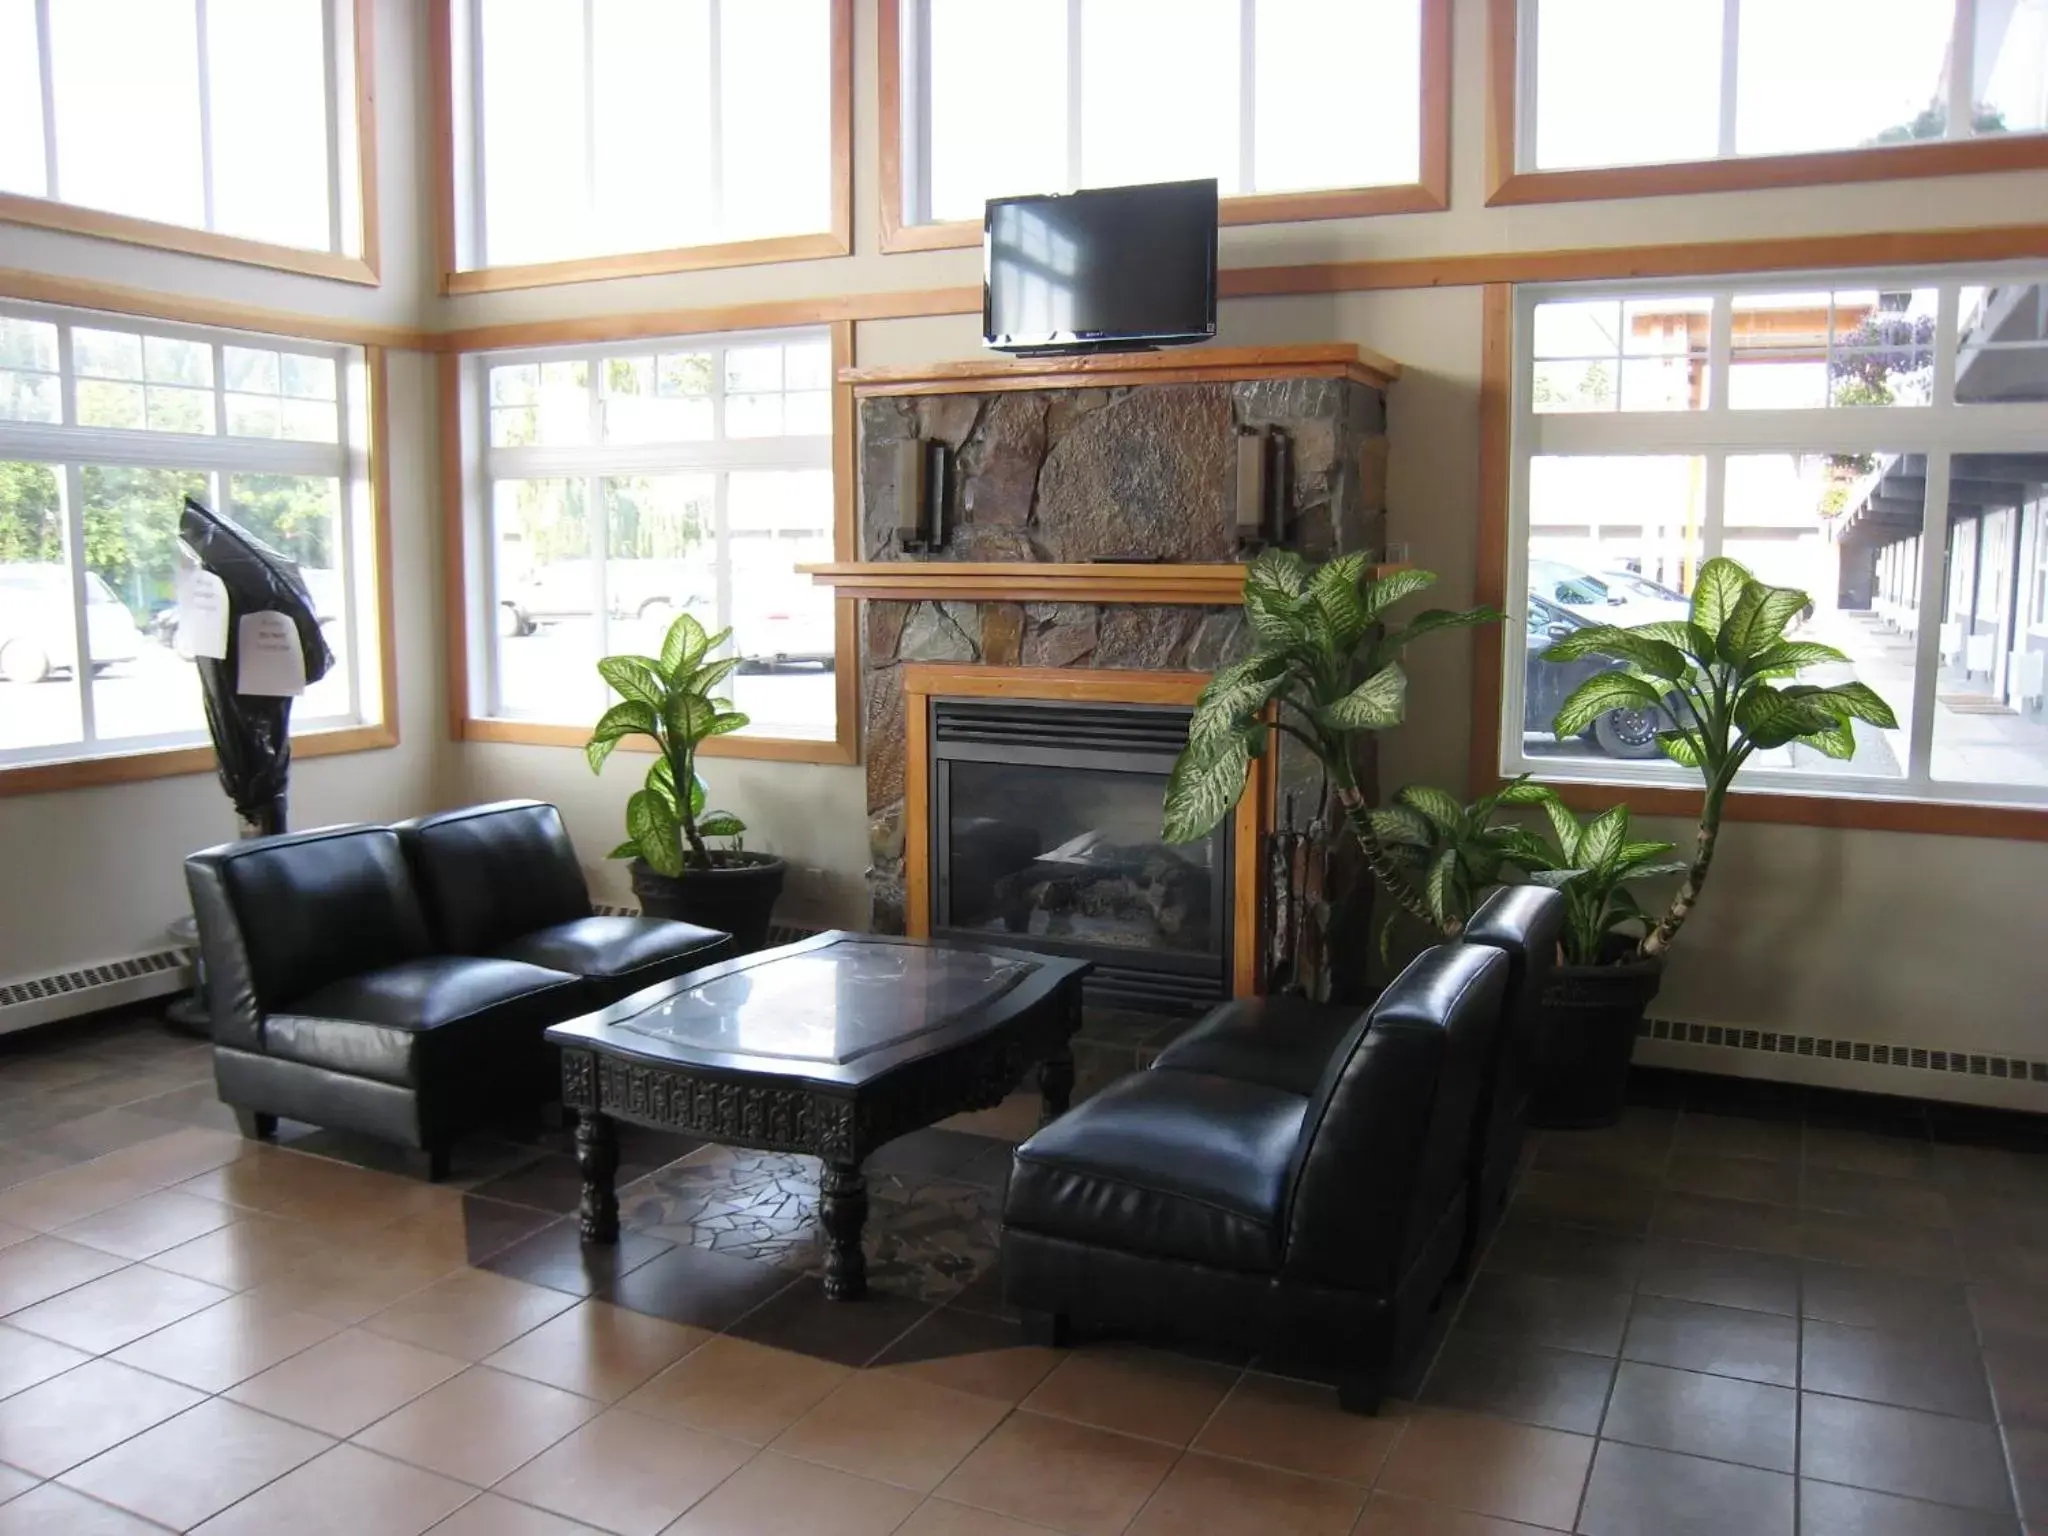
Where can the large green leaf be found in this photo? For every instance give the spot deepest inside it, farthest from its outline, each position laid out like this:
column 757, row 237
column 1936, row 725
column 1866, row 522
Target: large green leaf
column 661, row 782
column 1279, row 621
column 1595, row 640
column 1791, row 655
column 1205, row 783
column 1838, row 740
column 1657, row 871
column 628, row 718
column 1278, row 570
column 1857, row 700
column 1382, row 592
column 635, row 677
column 1373, row 705
column 1597, row 695
column 1235, row 695
column 1604, row 837
column 627, row 850
column 1565, row 827
column 684, row 646
column 1769, row 718
column 1520, row 846
column 1440, row 891
column 1714, row 593
column 1646, row 655
column 1438, row 806
column 720, row 824
column 1399, row 825
column 1677, row 746
column 1522, row 792
column 704, row 678
column 1631, row 854
column 1556, row 879
column 1334, row 589
column 725, row 722
column 1757, row 621
column 689, row 717
column 655, row 831
column 1427, row 622
column 1687, row 637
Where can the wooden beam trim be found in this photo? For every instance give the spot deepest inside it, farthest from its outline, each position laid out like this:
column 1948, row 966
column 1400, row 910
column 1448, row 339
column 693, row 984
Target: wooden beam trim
column 1226, row 364
column 688, row 258
column 78, row 293
column 175, row 762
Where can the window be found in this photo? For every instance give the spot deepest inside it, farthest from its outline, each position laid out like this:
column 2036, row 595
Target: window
column 1267, row 96
column 606, row 128
column 106, row 425
column 628, row 484
column 1608, row 84
column 235, row 117
column 1882, row 446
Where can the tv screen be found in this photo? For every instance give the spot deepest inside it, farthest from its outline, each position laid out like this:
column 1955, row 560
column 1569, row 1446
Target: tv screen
column 1096, row 270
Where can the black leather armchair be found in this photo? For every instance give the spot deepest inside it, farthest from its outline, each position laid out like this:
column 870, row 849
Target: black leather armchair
column 330, row 1003
column 502, row 881
column 1319, row 1219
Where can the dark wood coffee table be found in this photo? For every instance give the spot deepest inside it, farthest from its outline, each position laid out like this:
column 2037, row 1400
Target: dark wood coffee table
column 830, row 1047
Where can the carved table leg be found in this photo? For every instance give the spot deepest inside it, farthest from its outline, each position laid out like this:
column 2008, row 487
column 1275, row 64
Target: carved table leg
column 843, row 1208
column 597, row 1155
column 1056, row 1084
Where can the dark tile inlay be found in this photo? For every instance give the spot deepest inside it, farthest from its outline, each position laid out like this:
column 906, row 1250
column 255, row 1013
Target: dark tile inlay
column 700, row 1287
column 1634, row 1491
column 556, row 1256
column 1556, row 1388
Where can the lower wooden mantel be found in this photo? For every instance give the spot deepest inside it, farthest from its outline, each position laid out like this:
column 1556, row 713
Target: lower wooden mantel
column 1023, row 581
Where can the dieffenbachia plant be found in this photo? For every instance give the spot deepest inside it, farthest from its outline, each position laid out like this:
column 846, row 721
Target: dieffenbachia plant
column 1322, row 669
column 1451, row 853
column 669, row 698
column 1592, row 863
column 1719, row 678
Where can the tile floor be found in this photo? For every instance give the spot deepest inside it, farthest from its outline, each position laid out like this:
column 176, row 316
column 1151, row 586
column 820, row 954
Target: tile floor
column 1744, row 1310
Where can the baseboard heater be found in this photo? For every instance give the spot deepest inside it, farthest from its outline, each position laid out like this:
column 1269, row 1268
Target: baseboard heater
column 33, row 1000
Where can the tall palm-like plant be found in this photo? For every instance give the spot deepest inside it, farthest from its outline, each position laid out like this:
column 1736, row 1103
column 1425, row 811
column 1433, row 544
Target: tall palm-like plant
column 1720, row 676
column 1323, row 668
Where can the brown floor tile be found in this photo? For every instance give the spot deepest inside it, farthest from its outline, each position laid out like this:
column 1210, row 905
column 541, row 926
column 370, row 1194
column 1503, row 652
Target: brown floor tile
column 1939, row 1370
column 1556, row 1388
column 1533, row 1310
column 1513, row 1471
column 26, row 1359
column 351, row 1284
column 773, row 1495
column 1604, row 1201
column 1298, row 1427
column 942, row 1517
column 1134, row 1391
column 1689, row 1335
column 1929, row 1252
column 2019, row 1380
column 197, row 1464
column 345, row 1492
column 898, row 1430
column 11, row 1234
column 470, row 1314
column 1634, row 1490
column 1730, row 1223
column 970, row 1352
column 1208, row 1496
column 227, row 1343
column 1827, row 1509
column 1768, row 1181
column 597, row 1350
column 1879, row 1298
column 2006, row 1263
column 800, row 1317
column 1105, row 1477
column 480, row 1426
column 1388, row 1514
column 739, row 1389
column 1636, row 1145
column 346, row 1382
column 44, row 1267
column 1724, row 1277
column 183, row 1154
column 250, row 1251
column 1871, row 1197
column 141, row 1228
column 1527, row 1246
column 626, row 1473
column 54, row 1508
column 1853, row 1151
column 2027, row 1451
column 1700, row 1415
column 1720, row 1135
column 55, row 1425
column 1903, row 1451
column 19, row 1164
column 117, row 1309
column 489, row 1515
column 14, row 1483
column 58, row 1199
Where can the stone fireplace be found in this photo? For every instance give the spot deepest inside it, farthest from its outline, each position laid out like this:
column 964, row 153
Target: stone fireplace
column 1090, row 531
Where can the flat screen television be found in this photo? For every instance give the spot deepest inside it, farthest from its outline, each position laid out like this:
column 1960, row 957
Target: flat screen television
column 1108, row 269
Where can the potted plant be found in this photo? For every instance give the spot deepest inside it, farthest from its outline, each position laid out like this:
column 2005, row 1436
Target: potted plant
column 676, row 871
column 1719, row 678
column 1323, row 668
column 1453, row 853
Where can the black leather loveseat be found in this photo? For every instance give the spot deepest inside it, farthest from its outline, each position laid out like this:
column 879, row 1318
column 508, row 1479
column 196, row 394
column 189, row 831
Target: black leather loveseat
column 397, row 981
column 1317, row 1220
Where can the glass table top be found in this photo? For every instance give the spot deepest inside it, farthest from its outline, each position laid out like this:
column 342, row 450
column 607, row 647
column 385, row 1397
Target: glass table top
column 832, row 1004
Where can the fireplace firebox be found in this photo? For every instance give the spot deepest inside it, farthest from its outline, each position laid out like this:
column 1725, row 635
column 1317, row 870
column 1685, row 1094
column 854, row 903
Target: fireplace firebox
column 1045, row 834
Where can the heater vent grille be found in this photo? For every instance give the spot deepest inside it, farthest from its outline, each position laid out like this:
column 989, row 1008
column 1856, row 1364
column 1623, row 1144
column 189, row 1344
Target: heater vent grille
column 1919, row 1058
column 37, row 989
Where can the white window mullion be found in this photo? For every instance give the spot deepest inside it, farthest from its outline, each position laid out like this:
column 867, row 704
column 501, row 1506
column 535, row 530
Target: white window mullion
column 1247, row 95
column 46, row 69
column 1075, row 64
column 1714, row 513
column 715, row 104
column 478, row 147
column 1962, row 72
column 72, row 483
column 589, row 120
column 330, row 34
column 345, row 549
column 1927, row 642
column 1527, row 43
column 205, row 112
column 1731, row 70
column 914, row 132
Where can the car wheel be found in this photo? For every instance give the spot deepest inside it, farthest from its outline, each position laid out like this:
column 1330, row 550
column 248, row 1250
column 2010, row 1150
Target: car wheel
column 1627, row 733
column 23, row 661
column 658, row 611
column 512, row 623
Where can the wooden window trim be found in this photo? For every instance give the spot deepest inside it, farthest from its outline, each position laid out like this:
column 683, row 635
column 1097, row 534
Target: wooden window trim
column 1506, row 186
column 1841, row 812
column 174, row 762
column 1429, row 193
column 366, row 269
column 835, row 240
column 844, row 746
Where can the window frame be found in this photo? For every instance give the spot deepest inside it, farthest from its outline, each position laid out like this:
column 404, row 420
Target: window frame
column 352, row 71
column 1912, row 802
column 457, row 197
column 1429, row 193
column 1510, row 108
column 466, row 510
column 363, row 470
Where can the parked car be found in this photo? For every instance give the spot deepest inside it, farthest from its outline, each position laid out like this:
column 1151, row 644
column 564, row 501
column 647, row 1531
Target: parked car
column 37, row 635
column 1606, row 598
column 780, row 620
column 653, row 590
column 1623, row 733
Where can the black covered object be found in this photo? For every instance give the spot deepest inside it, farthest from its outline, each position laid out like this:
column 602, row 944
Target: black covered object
column 251, row 734
column 1319, row 1225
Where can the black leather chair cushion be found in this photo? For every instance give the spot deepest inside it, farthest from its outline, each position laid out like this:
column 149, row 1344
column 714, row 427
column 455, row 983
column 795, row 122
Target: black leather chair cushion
column 619, row 955
column 1278, row 1042
column 383, row 1024
column 1173, row 1164
column 490, row 873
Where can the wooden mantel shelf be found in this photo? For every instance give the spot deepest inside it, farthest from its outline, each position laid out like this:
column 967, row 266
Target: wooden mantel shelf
column 1021, row 581
column 1184, row 365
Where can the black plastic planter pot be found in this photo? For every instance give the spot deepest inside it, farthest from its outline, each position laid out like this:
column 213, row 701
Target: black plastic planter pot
column 736, row 895
column 1584, row 1035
